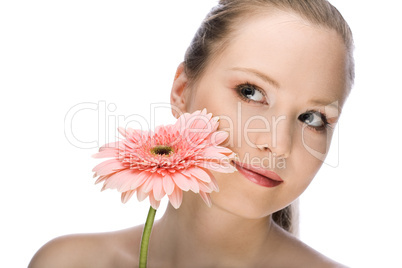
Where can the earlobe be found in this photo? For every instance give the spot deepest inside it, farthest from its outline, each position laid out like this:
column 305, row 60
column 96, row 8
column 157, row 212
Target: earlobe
column 177, row 96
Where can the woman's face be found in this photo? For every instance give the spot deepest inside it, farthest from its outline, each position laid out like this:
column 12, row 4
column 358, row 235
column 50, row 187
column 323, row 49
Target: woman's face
column 278, row 88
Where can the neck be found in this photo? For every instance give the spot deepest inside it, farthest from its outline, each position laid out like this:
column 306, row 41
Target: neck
column 196, row 234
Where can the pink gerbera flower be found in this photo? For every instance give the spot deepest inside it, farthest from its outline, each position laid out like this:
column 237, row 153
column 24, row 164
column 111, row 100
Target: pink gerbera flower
column 168, row 161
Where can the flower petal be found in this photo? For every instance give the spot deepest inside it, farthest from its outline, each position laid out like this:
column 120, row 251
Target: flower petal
column 158, row 191
column 168, row 184
column 122, row 131
column 154, row 203
column 194, row 186
column 103, row 178
column 117, row 180
column 148, row 185
column 217, row 152
column 108, row 166
column 213, row 183
column 131, row 182
column 206, row 187
column 176, row 197
column 181, row 181
column 141, row 195
column 110, row 146
column 206, row 198
column 217, row 167
column 125, row 196
column 200, row 174
column 219, row 137
column 106, row 153
column 141, row 178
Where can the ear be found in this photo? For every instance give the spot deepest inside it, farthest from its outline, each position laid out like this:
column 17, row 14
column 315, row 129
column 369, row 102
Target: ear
column 177, row 95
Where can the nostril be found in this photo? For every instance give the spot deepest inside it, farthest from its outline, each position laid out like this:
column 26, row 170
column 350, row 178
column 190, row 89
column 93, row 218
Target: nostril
column 263, row 147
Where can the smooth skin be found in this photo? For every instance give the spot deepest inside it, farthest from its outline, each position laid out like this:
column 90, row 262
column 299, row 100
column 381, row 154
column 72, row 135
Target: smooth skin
column 294, row 67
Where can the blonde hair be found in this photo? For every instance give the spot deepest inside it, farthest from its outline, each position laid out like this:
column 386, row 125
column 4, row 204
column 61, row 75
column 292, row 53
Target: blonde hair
column 218, row 27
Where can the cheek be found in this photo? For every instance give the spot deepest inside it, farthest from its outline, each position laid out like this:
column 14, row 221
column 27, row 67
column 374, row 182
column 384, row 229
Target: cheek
column 316, row 144
column 308, row 155
column 310, row 151
column 305, row 162
column 215, row 101
column 218, row 102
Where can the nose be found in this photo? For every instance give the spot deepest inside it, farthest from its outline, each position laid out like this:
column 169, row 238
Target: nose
column 278, row 140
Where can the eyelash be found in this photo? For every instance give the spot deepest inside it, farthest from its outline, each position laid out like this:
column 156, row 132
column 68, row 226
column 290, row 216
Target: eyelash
column 239, row 87
column 326, row 125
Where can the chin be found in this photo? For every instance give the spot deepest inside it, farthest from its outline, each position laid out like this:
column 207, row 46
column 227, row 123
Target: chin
column 243, row 207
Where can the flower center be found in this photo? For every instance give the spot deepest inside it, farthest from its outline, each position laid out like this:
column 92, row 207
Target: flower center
column 162, row 150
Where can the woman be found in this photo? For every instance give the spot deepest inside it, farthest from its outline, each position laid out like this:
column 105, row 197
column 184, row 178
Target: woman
column 277, row 73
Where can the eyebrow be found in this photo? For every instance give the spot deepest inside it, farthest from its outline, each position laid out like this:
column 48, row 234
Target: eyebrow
column 328, row 104
column 262, row 76
column 324, row 103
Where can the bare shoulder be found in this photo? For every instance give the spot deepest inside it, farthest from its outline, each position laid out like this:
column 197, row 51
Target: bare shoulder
column 112, row 249
column 295, row 253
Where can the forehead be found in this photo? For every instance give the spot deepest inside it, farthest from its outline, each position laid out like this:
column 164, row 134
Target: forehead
column 290, row 49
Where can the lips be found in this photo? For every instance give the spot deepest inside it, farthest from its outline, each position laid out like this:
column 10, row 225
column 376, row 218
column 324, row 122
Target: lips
column 258, row 175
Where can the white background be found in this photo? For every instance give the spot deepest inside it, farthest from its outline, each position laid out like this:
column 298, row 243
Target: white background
column 57, row 54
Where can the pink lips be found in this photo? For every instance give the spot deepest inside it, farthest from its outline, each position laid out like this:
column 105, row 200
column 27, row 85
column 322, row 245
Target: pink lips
column 258, row 175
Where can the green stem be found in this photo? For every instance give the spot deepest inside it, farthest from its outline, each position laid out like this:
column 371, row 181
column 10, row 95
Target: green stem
column 145, row 237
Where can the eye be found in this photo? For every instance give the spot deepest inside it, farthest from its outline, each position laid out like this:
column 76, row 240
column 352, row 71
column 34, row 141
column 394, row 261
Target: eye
column 315, row 120
column 250, row 92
